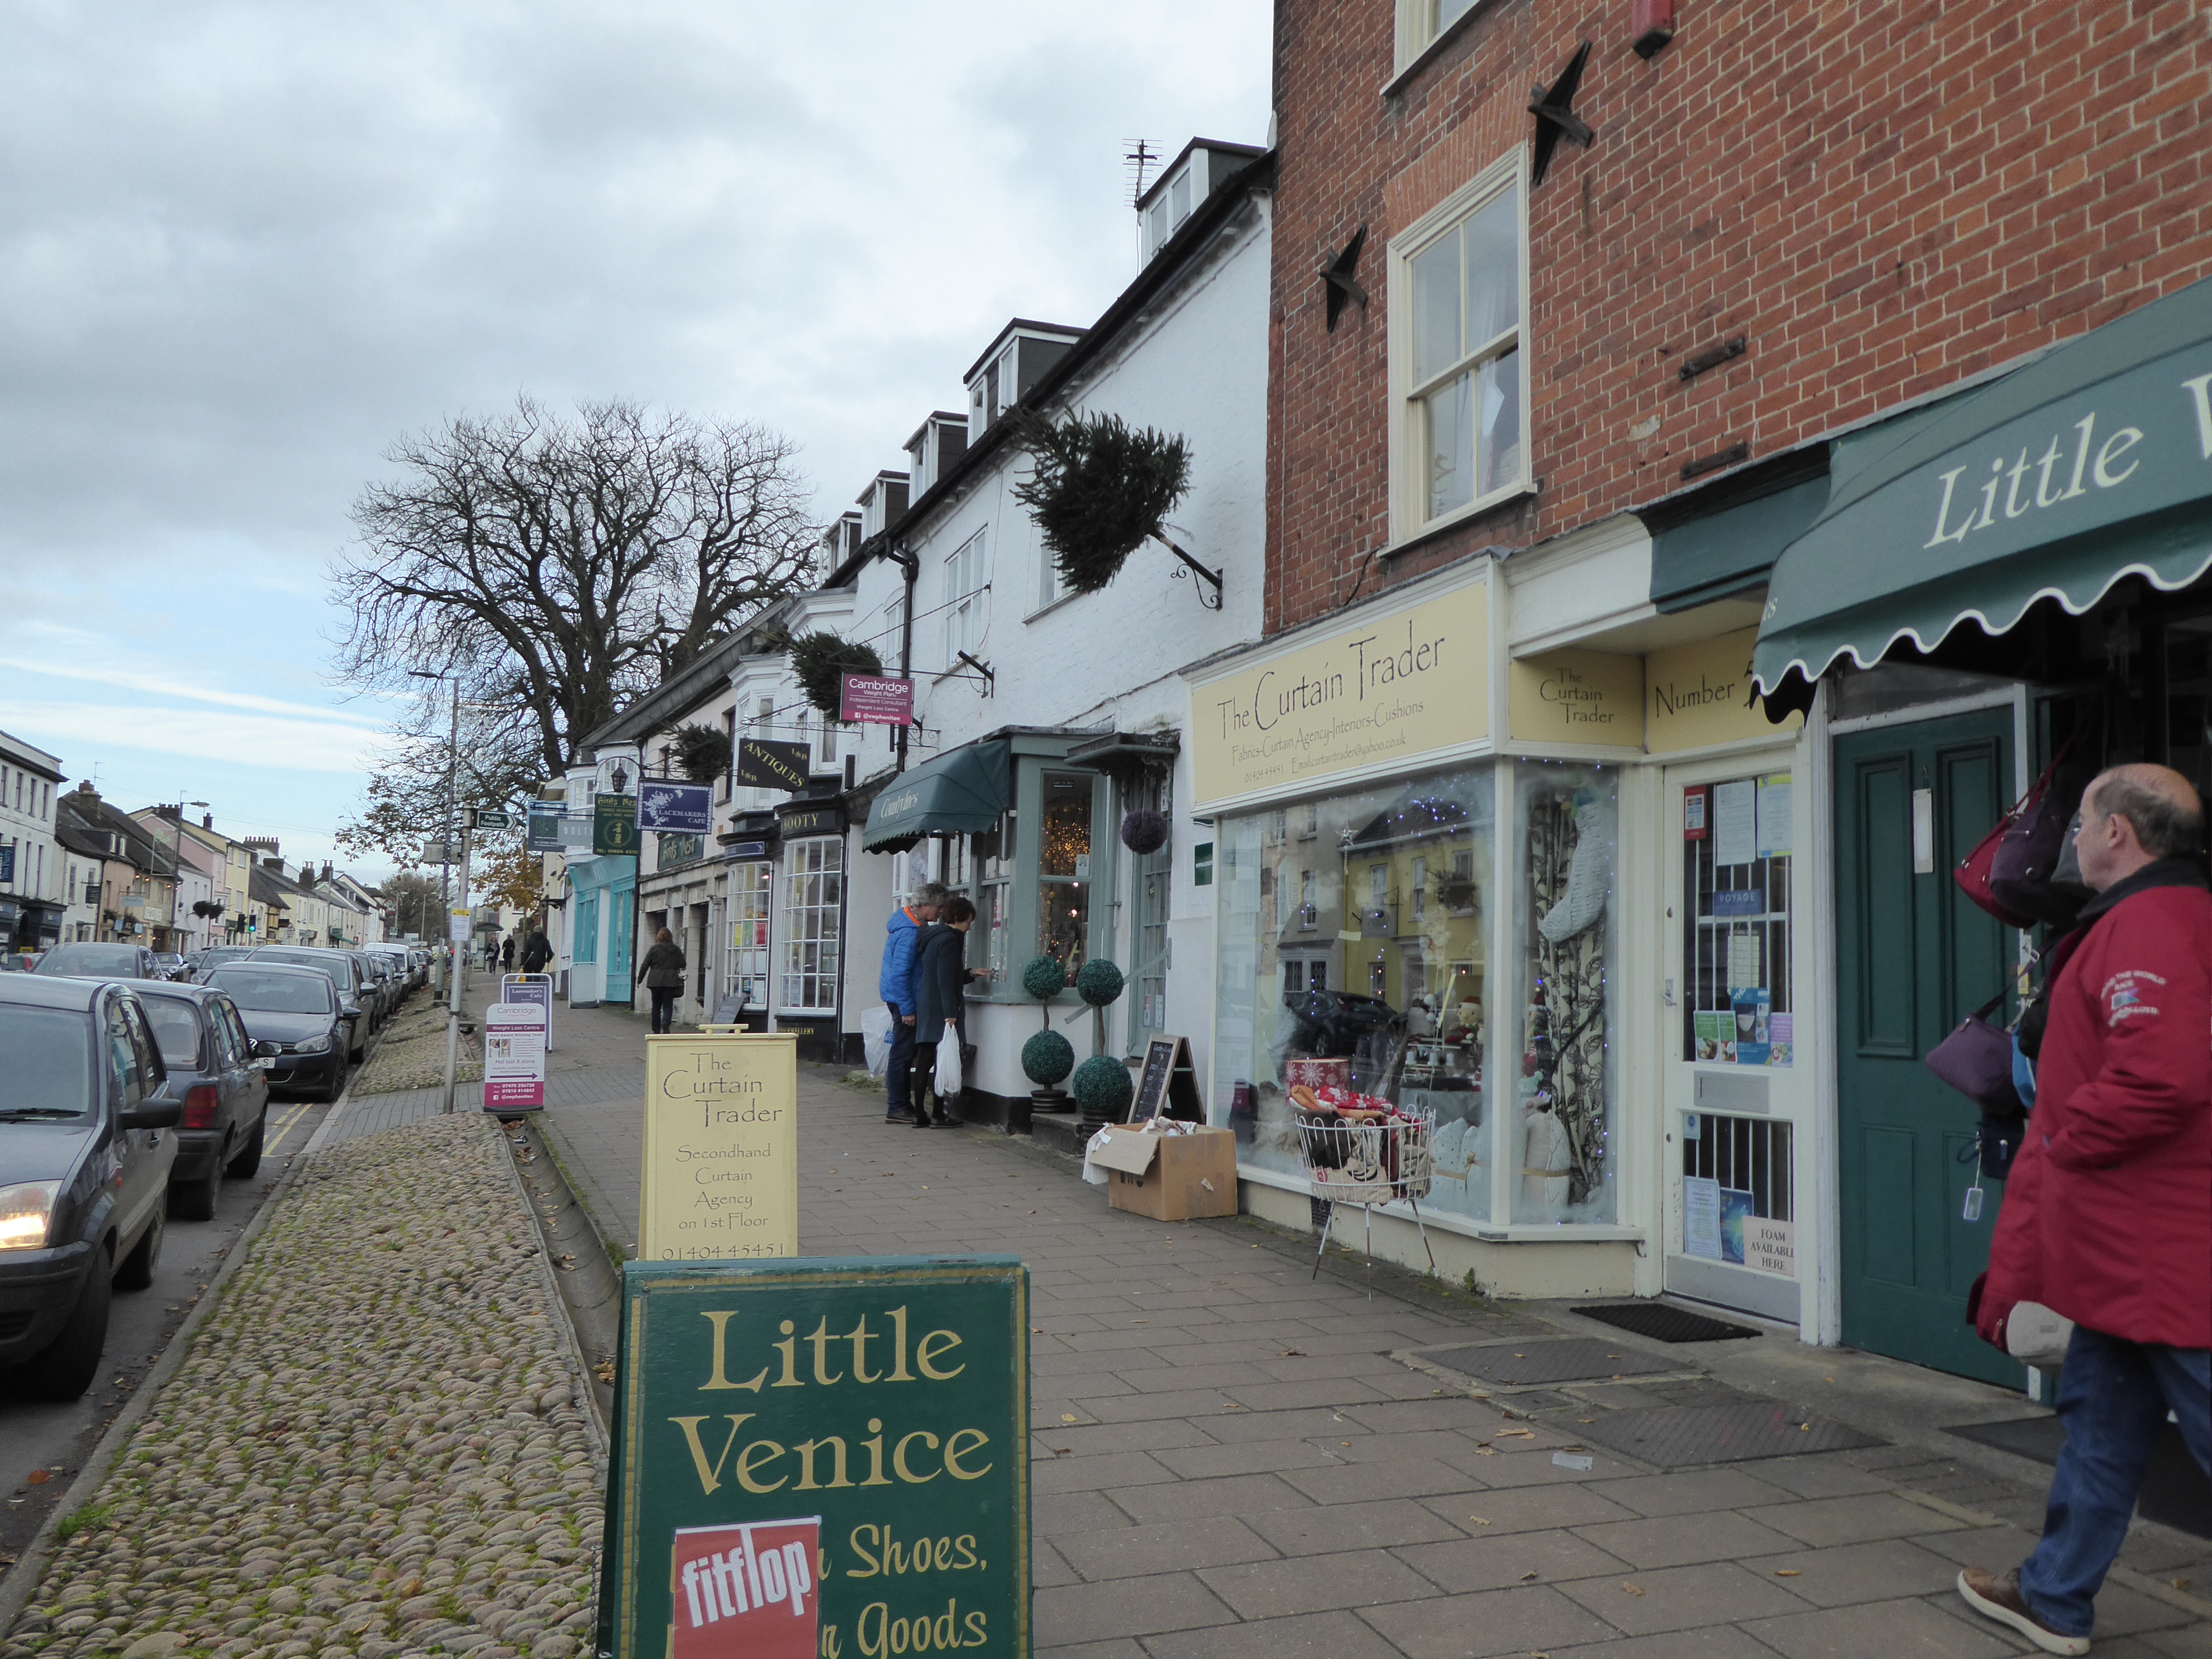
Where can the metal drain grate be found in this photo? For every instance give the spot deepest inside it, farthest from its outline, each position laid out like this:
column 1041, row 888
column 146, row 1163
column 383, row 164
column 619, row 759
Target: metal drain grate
column 1677, row 1437
column 1664, row 1323
column 1572, row 1359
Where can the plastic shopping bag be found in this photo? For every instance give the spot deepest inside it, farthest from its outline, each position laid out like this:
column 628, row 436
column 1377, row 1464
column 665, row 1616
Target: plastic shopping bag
column 948, row 1069
column 876, row 1038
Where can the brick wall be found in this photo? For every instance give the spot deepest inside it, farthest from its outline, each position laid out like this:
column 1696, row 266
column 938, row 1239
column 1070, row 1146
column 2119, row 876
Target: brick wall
column 1885, row 199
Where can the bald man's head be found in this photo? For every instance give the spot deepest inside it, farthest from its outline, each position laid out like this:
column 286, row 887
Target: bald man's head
column 2136, row 815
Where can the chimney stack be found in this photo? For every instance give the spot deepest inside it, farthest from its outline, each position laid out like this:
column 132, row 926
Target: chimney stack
column 207, row 820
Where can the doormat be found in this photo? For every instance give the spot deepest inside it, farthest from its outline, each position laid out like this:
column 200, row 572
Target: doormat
column 2175, row 1491
column 1663, row 1323
column 1571, row 1359
column 1677, row 1437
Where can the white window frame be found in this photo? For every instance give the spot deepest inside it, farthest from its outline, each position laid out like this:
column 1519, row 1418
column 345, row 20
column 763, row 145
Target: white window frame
column 965, row 617
column 1417, row 36
column 1408, row 479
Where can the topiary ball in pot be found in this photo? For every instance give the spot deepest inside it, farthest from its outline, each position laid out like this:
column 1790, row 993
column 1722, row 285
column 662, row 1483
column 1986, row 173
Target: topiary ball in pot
column 1047, row 1057
column 1098, row 981
column 1045, row 978
column 1102, row 1090
column 1145, row 831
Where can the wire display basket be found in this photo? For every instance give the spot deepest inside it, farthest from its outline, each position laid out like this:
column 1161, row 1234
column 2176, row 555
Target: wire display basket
column 1366, row 1158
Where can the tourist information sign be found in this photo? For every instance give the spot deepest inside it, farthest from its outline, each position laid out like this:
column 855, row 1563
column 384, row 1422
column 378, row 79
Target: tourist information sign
column 820, row 1460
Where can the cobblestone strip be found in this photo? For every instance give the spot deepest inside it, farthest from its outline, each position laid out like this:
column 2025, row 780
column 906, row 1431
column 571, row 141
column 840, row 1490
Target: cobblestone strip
column 373, row 1449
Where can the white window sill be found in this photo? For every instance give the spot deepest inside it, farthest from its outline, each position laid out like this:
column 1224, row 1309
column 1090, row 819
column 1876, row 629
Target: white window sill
column 1454, row 519
column 1436, row 48
column 1050, row 605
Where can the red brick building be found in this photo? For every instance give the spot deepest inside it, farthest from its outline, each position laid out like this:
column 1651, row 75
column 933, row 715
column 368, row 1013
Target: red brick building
column 1880, row 202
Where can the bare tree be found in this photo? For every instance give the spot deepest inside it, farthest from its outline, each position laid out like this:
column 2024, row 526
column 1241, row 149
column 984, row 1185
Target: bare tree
column 557, row 567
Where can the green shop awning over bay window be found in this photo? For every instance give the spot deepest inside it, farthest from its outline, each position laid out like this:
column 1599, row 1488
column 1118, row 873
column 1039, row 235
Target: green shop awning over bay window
column 2091, row 463
column 961, row 792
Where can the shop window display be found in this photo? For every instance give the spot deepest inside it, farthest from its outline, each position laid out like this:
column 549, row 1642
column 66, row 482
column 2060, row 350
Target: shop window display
column 1353, row 951
column 1569, row 834
column 1064, row 868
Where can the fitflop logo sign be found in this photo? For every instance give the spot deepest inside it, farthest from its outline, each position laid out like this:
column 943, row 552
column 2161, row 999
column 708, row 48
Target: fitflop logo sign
column 747, row 1591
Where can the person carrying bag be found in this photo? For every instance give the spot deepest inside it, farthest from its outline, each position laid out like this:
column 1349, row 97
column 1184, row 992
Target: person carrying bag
column 662, row 973
column 941, row 977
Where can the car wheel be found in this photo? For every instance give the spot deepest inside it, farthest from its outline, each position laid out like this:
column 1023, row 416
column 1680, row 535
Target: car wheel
column 195, row 1200
column 136, row 1272
column 337, row 1081
column 249, row 1155
column 66, row 1368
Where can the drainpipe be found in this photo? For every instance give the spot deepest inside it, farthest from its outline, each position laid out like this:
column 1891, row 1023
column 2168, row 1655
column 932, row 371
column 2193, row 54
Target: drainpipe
column 909, row 562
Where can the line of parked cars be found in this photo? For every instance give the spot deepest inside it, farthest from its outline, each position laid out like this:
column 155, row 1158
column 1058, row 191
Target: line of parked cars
column 129, row 1093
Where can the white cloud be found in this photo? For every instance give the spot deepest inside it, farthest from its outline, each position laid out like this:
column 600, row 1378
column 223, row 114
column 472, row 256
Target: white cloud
column 106, row 729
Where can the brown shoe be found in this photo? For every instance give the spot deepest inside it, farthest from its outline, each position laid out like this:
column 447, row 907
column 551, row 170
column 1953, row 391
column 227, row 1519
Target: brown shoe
column 1997, row 1595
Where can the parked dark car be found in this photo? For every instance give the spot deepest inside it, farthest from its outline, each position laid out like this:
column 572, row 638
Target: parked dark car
column 399, row 965
column 169, row 965
column 220, row 1083
column 92, row 960
column 381, row 973
column 214, row 957
column 1337, row 1025
column 84, row 1172
column 294, row 1020
column 356, row 995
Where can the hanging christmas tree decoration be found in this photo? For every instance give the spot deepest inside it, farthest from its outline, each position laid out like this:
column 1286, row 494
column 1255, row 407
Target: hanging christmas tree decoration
column 1100, row 490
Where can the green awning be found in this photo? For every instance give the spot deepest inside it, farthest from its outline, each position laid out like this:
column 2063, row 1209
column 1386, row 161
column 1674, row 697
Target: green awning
column 961, row 792
column 2091, row 463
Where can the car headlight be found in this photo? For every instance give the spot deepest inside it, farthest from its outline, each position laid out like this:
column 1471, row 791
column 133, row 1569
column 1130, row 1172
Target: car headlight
column 320, row 1045
column 26, row 1210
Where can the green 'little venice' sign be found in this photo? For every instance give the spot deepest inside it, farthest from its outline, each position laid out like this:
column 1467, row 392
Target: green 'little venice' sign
column 820, row 1460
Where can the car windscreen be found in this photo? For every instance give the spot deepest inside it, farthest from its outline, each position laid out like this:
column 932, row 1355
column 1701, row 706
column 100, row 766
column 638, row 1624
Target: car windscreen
column 176, row 1026
column 46, row 1063
column 273, row 994
column 92, row 960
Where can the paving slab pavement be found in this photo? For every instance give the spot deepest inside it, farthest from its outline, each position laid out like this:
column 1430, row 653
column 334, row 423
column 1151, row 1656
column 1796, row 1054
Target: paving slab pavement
column 1231, row 1463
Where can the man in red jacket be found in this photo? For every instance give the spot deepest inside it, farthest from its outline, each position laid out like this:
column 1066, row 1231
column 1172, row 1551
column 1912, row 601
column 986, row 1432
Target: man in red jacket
column 2108, row 1216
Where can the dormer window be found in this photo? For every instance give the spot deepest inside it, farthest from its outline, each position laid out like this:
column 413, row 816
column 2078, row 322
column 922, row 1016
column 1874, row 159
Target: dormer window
column 1203, row 168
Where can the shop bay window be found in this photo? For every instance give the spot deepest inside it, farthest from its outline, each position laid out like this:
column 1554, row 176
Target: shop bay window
column 1567, row 842
column 1329, row 972
column 1456, row 354
column 1064, row 868
column 745, row 965
column 813, row 899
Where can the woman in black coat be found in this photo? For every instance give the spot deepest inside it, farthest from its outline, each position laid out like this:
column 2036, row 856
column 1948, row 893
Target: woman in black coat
column 940, row 978
column 662, row 971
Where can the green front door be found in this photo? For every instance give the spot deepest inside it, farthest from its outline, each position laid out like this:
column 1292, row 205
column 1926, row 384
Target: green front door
column 1913, row 957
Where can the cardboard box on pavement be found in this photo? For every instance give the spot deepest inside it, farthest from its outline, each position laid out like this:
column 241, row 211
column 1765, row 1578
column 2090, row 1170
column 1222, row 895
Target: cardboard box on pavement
column 1170, row 1177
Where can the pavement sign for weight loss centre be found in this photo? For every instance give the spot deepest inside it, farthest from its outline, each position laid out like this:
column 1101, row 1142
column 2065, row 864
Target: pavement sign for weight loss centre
column 721, row 1148
column 514, row 1056
column 820, row 1460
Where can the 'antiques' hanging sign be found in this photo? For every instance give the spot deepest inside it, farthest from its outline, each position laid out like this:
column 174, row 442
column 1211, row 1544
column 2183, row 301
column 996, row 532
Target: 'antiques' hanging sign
column 820, row 1460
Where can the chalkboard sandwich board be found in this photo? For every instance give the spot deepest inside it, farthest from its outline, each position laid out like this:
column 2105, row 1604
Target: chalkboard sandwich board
column 1168, row 1086
column 820, row 1460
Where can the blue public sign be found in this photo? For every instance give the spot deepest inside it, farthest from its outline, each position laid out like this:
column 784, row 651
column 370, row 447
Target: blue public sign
column 685, row 808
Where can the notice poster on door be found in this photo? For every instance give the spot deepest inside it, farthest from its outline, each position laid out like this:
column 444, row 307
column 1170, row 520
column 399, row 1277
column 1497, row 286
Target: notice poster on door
column 1750, row 1009
column 1701, row 1216
column 1736, row 822
column 1770, row 1246
column 1736, row 1207
column 1693, row 814
column 1774, row 816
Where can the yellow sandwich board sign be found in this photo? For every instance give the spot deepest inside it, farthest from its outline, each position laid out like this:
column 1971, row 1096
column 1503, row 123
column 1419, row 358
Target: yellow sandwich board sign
column 721, row 1148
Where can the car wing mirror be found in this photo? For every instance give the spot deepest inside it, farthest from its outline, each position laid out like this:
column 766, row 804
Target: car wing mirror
column 264, row 1049
column 153, row 1115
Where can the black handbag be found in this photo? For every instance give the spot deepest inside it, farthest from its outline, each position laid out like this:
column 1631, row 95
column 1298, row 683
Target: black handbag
column 1976, row 1060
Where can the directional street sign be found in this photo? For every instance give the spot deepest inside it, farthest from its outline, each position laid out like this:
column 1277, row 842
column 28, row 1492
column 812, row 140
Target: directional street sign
column 442, row 852
column 495, row 817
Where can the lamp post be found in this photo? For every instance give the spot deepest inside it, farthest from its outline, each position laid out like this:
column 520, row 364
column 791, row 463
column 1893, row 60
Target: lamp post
column 177, row 875
column 446, row 841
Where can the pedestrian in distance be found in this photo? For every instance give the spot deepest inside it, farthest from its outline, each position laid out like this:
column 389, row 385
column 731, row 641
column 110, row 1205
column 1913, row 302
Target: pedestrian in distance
column 662, row 973
column 506, row 953
column 537, row 951
column 2108, row 1217
column 902, row 935
column 941, row 978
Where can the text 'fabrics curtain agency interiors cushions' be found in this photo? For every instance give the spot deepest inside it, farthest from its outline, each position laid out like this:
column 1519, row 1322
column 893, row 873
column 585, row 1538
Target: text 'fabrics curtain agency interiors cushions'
column 2091, row 463
column 962, row 792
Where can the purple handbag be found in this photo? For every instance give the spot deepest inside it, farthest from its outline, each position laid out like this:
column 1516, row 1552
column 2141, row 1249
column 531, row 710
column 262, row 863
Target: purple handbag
column 1976, row 1060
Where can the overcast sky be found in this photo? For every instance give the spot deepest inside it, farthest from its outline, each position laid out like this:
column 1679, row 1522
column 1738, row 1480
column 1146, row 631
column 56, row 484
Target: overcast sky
column 244, row 247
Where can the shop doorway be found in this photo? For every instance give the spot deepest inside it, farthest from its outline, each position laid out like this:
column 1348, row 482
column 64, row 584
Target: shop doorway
column 1913, row 957
column 1738, row 1092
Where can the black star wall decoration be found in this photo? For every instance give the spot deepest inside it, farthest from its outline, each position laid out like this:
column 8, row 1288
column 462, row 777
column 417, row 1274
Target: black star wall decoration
column 1342, row 284
column 1553, row 108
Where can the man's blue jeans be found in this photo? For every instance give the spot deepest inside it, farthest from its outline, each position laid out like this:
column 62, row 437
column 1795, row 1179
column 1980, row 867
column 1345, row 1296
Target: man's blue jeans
column 898, row 1077
column 2113, row 1396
